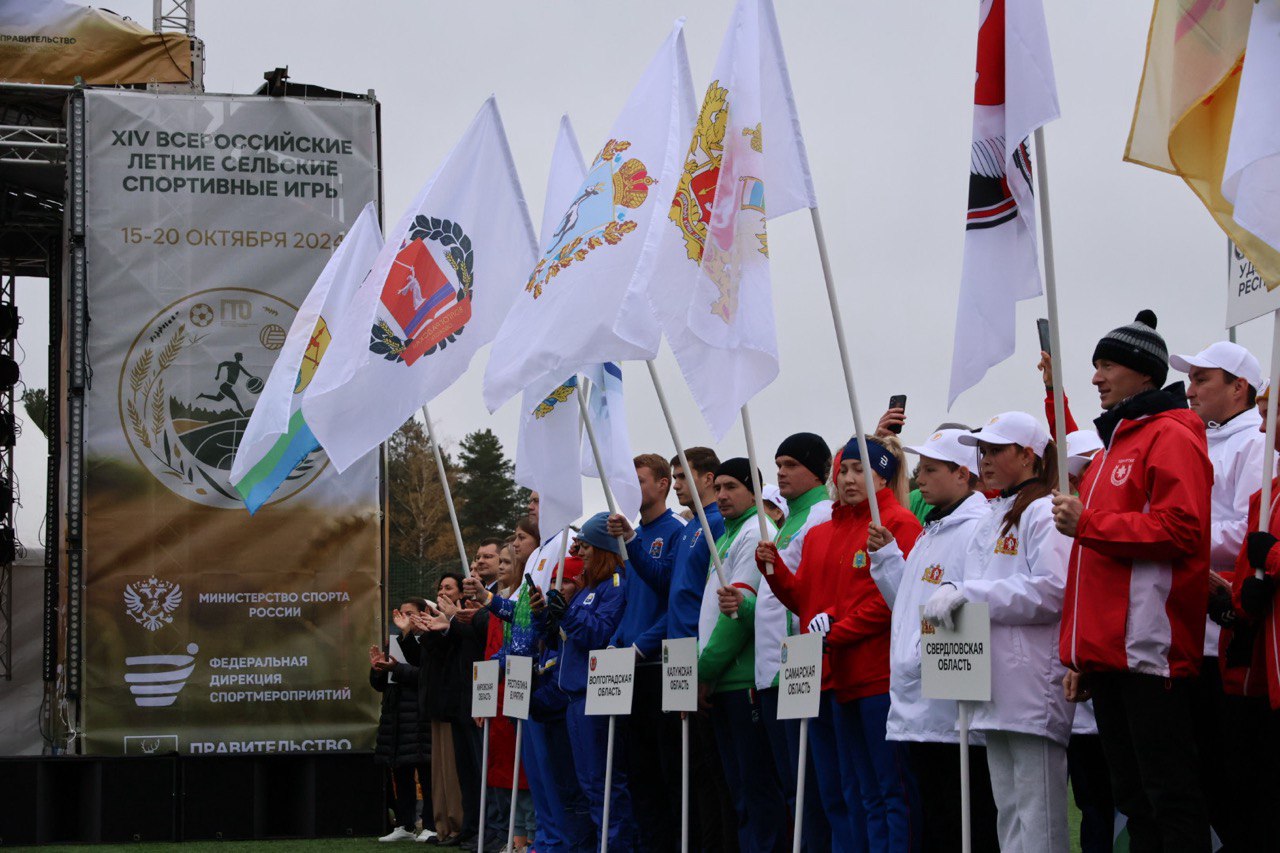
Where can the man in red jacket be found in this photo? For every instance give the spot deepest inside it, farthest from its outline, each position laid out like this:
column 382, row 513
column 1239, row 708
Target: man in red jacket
column 1138, row 587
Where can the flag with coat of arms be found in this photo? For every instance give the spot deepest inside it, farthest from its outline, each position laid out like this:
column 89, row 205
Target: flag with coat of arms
column 712, row 292
column 550, row 423
column 278, row 438
column 438, row 292
column 570, row 314
column 1014, row 93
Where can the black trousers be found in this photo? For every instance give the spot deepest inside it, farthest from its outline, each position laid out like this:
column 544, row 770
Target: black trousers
column 713, row 823
column 1208, row 710
column 1148, row 737
column 407, row 792
column 1091, row 787
column 1252, row 742
column 937, row 770
column 653, row 775
column 466, row 755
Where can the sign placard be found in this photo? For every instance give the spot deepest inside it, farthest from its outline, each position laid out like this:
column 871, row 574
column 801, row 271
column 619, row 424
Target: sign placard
column 484, row 689
column 610, row 681
column 800, row 679
column 680, row 675
column 957, row 664
column 1248, row 296
column 515, row 703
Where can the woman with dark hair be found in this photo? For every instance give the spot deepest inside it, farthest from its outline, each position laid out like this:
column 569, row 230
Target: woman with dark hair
column 584, row 623
column 1016, row 564
column 404, row 735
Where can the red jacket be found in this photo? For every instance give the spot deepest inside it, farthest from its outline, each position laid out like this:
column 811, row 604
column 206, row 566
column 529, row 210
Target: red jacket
column 834, row 577
column 1138, row 579
column 1262, row 676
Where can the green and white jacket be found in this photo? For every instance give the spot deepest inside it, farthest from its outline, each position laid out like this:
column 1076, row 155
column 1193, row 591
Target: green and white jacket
column 726, row 647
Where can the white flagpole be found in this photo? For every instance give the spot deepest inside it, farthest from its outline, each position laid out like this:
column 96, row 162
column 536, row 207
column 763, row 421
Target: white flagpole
column 684, row 783
column 595, row 453
column 515, row 789
column 801, row 768
column 1268, row 454
column 690, row 475
column 608, row 789
column 756, row 486
column 448, row 493
column 564, row 552
column 1051, row 297
column 844, row 361
column 966, row 831
column 484, row 778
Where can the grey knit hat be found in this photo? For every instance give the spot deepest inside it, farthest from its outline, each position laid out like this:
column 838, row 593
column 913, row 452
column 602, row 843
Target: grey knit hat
column 1137, row 346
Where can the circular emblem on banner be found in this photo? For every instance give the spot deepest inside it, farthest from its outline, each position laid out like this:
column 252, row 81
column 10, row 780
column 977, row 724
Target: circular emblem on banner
column 187, row 391
column 272, row 336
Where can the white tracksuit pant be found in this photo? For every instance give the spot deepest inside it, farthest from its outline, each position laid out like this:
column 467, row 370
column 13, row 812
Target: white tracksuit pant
column 1029, row 783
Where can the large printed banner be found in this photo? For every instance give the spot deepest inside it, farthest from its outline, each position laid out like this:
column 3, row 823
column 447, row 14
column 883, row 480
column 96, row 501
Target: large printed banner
column 207, row 629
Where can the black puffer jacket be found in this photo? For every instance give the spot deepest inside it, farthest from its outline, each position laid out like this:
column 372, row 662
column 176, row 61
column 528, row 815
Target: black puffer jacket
column 404, row 734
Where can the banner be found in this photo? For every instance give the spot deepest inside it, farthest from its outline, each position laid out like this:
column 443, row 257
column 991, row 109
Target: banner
column 208, row 218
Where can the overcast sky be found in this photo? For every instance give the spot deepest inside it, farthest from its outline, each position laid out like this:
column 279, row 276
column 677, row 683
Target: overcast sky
column 884, row 93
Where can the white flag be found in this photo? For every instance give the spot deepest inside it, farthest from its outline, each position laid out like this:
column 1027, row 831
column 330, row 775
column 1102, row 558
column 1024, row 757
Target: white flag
column 550, row 423
column 713, row 292
column 1251, row 179
column 570, row 314
column 1014, row 93
column 437, row 293
column 278, row 438
column 608, row 415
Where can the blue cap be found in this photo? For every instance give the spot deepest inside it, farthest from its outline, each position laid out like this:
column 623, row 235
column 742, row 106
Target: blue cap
column 882, row 461
column 595, row 533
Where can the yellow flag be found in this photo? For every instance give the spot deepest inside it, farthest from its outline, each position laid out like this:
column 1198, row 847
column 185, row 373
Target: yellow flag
column 1186, row 105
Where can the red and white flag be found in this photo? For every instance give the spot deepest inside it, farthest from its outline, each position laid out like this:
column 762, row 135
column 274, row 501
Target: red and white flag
column 1014, row 93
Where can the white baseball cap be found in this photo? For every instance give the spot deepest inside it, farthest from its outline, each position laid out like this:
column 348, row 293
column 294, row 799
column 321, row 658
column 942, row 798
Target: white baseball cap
column 945, row 446
column 1224, row 355
column 1011, row 428
column 771, row 493
column 1081, row 445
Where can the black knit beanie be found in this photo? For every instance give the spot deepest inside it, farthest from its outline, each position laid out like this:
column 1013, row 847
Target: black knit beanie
column 810, row 451
column 1137, row 346
column 739, row 468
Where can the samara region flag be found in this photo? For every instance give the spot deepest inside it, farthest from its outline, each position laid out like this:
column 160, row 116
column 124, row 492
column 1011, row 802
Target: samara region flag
column 608, row 416
column 712, row 293
column 1251, row 181
column 1186, row 115
column 569, row 314
column 1014, row 93
column 277, row 440
column 550, row 423
column 437, row 293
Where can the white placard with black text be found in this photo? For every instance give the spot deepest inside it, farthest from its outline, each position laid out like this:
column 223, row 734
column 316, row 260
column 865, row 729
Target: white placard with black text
column 957, row 664
column 1247, row 294
column 680, row 675
column 800, row 678
column 515, row 703
column 611, row 677
column 484, row 688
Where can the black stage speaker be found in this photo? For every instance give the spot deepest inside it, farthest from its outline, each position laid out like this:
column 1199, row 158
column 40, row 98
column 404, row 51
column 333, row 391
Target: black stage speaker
column 217, row 797
column 138, row 799
column 19, row 801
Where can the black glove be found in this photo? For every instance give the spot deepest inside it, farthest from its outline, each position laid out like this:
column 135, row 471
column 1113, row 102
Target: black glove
column 556, row 604
column 1258, row 545
column 1256, row 594
column 1221, row 610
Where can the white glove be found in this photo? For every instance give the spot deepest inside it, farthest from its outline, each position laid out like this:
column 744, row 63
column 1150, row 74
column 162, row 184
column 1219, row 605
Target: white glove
column 941, row 607
column 820, row 624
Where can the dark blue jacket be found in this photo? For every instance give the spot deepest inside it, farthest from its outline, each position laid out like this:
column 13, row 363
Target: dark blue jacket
column 683, row 571
column 644, row 621
column 590, row 621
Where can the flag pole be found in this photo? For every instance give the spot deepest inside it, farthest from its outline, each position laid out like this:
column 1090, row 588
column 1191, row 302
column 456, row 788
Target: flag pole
column 1051, row 297
column 843, row 346
column 689, row 474
column 801, row 769
column 515, row 790
column 1268, row 452
column 595, row 453
column 756, row 486
column 484, row 774
column 564, row 552
column 608, row 789
column 684, row 782
column 448, row 493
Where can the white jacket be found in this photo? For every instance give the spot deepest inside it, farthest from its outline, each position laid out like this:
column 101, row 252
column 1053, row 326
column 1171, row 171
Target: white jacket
column 1022, row 577
column 773, row 622
column 1235, row 450
column 906, row 584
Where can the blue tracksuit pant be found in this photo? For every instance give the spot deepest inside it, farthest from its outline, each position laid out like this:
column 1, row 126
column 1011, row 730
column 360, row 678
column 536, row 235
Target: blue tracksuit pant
column 879, row 771
column 589, row 741
column 749, row 771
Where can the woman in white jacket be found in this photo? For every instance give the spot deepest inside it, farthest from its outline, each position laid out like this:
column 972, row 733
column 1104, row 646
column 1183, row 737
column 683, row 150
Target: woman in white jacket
column 1017, row 564
column 946, row 477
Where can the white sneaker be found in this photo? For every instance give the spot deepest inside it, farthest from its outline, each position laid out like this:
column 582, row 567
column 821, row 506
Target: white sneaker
column 398, row 834
column 427, row 835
